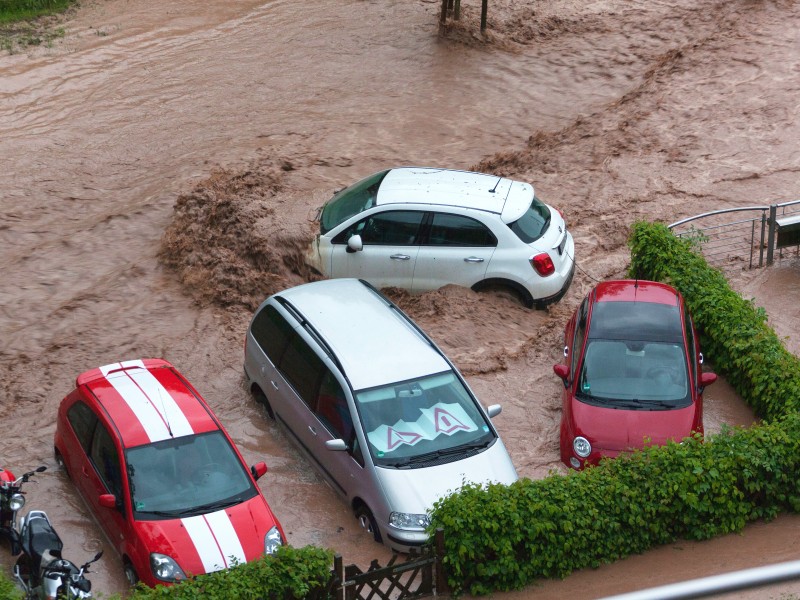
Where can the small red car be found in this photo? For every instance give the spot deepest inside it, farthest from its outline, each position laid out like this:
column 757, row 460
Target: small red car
column 632, row 372
column 160, row 473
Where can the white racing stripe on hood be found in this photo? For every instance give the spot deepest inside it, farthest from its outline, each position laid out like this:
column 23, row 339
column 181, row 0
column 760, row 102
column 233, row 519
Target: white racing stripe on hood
column 160, row 417
column 215, row 540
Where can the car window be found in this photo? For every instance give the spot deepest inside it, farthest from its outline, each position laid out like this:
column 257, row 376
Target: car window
column 82, row 419
column 632, row 374
column 414, row 418
column 271, row 331
column 580, row 335
column 390, row 228
column 303, row 369
column 350, row 201
column 534, row 223
column 332, row 409
column 186, row 475
column 458, row 230
column 106, row 460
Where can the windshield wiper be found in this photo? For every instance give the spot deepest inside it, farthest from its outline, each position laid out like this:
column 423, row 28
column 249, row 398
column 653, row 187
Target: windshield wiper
column 433, row 455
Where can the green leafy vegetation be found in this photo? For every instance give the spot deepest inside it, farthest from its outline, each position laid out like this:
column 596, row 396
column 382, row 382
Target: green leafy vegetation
column 26, row 23
column 506, row 537
column 289, row 573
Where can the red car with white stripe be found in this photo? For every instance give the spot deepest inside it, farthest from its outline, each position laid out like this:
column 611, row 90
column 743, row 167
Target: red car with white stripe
column 160, row 473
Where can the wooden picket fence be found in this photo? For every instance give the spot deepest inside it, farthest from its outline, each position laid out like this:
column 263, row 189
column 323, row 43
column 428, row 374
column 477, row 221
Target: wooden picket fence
column 418, row 576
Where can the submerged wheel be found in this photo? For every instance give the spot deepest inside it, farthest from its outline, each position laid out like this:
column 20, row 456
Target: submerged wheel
column 367, row 522
column 261, row 398
column 130, row 574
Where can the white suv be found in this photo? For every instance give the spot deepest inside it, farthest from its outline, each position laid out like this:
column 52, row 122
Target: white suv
column 422, row 228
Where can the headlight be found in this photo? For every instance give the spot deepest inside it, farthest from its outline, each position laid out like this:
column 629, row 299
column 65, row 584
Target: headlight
column 409, row 521
column 165, row 568
column 581, row 446
column 16, row 502
column 272, row 540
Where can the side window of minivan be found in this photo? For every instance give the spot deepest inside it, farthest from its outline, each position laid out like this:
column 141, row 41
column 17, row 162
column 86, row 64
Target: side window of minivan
column 272, row 332
column 303, row 369
column 332, row 409
column 83, row 421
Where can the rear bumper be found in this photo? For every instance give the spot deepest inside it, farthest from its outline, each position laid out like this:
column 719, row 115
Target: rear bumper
column 542, row 302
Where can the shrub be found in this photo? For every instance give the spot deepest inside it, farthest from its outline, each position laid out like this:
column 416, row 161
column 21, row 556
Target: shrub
column 504, row 537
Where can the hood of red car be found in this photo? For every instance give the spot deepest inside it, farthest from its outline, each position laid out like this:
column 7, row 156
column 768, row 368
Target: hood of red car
column 212, row 541
column 618, row 430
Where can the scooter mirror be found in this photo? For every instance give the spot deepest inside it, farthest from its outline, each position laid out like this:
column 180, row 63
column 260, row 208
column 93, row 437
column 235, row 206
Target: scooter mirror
column 40, row 469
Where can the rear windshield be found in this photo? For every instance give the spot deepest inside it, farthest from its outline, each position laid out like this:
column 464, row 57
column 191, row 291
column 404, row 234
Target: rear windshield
column 350, row 201
column 534, row 223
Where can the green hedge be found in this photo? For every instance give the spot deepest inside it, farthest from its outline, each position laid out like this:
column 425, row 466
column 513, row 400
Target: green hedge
column 506, row 537
column 8, row 590
column 289, row 573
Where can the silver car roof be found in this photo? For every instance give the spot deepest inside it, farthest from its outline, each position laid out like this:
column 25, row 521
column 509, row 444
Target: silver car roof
column 374, row 343
column 449, row 187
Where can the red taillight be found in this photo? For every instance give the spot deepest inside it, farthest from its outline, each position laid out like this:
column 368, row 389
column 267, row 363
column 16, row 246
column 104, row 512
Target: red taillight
column 543, row 264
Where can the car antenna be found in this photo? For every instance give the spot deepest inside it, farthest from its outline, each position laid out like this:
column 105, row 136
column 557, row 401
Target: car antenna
column 166, row 416
column 492, row 191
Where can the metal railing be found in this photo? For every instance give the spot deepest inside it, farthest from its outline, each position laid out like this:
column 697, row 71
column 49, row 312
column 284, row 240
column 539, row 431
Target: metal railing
column 724, row 238
column 718, row 584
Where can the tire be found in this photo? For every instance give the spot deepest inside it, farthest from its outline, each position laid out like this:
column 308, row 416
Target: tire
column 61, row 463
column 261, row 398
column 368, row 523
column 130, row 574
column 506, row 289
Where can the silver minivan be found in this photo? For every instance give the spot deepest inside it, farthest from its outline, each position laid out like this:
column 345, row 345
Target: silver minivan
column 373, row 403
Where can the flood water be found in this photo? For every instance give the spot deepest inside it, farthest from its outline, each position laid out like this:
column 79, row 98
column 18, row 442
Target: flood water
column 615, row 111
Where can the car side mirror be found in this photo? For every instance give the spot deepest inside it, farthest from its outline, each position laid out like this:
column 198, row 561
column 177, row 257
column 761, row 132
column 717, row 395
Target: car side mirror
column 258, row 470
column 354, row 244
column 707, row 379
column 108, row 500
column 336, row 445
column 494, row 410
column 563, row 372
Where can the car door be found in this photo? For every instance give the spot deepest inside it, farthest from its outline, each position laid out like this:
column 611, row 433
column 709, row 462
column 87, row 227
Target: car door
column 455, row 249
column 389, row 249
column 344, row 469
column 108, row 478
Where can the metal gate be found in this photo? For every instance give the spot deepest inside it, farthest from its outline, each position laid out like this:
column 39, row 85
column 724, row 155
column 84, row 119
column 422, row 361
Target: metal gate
column 749, row 234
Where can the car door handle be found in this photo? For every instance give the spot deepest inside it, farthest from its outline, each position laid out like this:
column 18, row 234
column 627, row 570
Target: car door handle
column 275, row 385
column 85, row 472
column 400, row 257
column 312, row 430
column 474, row 259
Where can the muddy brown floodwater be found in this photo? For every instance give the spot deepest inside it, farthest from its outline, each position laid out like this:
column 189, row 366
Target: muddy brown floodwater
column 160, row 162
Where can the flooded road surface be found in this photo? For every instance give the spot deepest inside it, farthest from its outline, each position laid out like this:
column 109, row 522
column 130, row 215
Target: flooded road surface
column 615, row 111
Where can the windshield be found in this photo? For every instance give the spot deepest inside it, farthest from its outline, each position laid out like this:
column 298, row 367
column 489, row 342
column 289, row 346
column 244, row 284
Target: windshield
column 350, row 201
column 634, row 375
column 420, row 420
column 186, row 476
column 534, row 223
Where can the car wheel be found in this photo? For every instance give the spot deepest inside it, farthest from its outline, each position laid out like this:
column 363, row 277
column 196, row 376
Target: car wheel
column 367, row 522
column 60, row 462
column 505, row 289
column 261, row 398
column 130, row 574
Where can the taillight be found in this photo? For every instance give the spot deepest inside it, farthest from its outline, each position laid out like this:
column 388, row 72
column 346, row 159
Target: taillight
column 543, row 264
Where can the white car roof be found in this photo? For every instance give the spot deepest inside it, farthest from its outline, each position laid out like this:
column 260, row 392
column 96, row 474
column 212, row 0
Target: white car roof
column 374, row 343
column 448, row 187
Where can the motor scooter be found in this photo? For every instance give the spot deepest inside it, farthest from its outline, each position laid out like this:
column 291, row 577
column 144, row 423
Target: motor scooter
column 41, row 570
column 12, row 499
